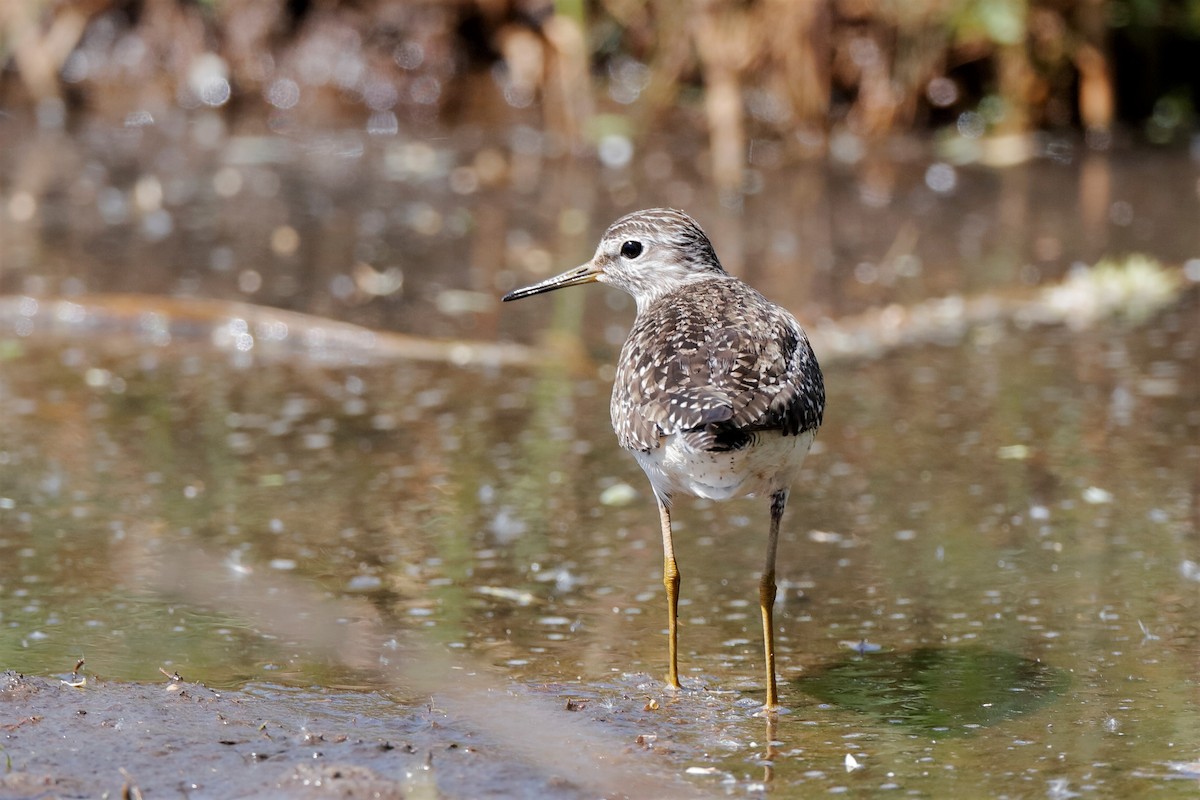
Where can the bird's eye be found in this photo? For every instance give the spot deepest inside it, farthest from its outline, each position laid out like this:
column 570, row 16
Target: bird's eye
column 631, row 249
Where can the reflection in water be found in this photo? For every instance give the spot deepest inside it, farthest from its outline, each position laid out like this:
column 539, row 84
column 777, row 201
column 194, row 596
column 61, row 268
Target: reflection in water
column 949, row 690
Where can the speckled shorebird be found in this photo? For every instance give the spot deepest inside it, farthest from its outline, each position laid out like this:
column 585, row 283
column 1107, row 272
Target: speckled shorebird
column 717, row 394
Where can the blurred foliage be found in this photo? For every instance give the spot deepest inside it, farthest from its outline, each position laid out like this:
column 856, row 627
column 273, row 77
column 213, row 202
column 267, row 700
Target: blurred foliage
column 778, row 69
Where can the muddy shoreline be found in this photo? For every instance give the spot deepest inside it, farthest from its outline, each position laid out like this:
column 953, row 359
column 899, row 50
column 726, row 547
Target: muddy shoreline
column 180, row 739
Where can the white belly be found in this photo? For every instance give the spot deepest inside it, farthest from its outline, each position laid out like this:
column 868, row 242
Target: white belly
column 764, row 467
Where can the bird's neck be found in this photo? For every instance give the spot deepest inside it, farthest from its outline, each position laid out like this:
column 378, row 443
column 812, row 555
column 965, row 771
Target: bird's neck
column 647, row 295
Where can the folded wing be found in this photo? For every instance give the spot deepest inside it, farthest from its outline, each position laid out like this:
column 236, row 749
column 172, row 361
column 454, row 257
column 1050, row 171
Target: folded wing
column 718, row 387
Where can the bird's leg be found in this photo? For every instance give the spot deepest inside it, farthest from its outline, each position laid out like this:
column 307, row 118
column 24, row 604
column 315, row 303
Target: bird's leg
column 671, row 582
column 766, row 596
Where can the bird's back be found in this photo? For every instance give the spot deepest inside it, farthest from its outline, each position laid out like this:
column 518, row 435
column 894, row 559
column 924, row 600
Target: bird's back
column 710, row 370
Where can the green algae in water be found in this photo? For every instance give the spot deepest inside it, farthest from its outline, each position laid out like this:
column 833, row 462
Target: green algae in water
column 952, row 690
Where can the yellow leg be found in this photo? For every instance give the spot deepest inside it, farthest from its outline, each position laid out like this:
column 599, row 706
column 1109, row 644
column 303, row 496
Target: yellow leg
column 766, row 602
column 766, row 597
column 671, row 582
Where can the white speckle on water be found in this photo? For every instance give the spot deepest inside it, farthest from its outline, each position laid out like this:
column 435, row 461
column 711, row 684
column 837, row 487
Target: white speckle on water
column 317, row 441
column 364, row 583
column 1096, row 496
column 1059, row 789
column 507, row 526
column 518, row 596
column 234, row 564
column 1013, row 452
column 383, row 422
column 1190, row 769
column 239, row 442
column 619, row 494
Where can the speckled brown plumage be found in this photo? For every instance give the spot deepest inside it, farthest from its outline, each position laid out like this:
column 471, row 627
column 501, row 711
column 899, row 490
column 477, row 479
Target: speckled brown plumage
column 718, row 385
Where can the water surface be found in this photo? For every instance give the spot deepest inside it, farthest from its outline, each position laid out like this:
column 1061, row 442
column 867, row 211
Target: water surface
column 989, row 579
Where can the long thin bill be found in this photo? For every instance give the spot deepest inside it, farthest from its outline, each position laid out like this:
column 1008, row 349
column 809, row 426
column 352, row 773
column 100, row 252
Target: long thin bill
column 572, row 277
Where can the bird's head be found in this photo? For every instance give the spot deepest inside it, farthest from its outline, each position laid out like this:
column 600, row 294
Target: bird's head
column 646, row 253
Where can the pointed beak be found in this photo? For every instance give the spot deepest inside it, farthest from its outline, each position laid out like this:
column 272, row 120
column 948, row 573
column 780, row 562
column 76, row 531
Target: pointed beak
column 586, row 273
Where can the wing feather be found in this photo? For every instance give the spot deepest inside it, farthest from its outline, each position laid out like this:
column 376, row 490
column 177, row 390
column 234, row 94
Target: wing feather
column 717, row 385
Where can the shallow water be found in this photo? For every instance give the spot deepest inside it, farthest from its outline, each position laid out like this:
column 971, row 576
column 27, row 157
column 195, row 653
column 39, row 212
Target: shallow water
column 989, row 579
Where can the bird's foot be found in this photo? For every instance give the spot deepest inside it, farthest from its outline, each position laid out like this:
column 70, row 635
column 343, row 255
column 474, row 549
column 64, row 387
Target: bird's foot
column 771, row 712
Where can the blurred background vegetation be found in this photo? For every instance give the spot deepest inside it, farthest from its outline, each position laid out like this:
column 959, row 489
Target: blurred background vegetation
column 791, row 72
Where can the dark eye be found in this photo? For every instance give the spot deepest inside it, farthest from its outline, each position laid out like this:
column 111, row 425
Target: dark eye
column 631, row 249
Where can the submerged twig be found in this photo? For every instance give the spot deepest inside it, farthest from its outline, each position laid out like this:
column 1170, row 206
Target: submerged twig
column 237, row 327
